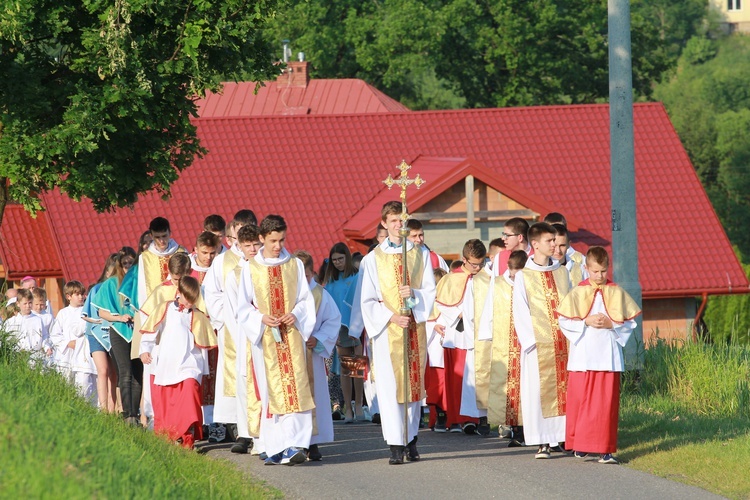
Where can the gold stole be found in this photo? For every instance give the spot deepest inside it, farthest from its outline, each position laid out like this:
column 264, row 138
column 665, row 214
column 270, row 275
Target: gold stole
column 576, row 270
column 200, row 326
column 451, row 289
column 286, row 366
column 164, row 292
column 505, row 377
column 156, row 268
column 230, row 264
column 545, row 290
column 317, row 294
column 482, row 348
column 619, row 305
column 390, row 275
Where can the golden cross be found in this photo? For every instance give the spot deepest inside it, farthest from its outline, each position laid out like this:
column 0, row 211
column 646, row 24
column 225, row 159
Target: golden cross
column 403, row 181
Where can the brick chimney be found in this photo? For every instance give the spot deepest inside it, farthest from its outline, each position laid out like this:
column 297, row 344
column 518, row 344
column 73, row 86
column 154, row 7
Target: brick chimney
column 296, row 74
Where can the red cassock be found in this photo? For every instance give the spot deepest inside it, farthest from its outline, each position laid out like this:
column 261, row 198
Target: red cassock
column 593, row 407
column 177, row 408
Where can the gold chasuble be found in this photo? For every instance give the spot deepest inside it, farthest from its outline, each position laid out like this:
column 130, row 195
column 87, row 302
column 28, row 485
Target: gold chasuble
column 286, row 365
column 390, row 272
column 619, row 305
column 156, row 268
column 545, row 290
column 230, row 264
column 200, row 326
column 482, row 348
column 505, row 377
column 254, row 405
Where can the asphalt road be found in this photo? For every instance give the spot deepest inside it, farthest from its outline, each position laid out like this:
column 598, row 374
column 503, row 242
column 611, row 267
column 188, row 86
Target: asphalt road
column 356, row 466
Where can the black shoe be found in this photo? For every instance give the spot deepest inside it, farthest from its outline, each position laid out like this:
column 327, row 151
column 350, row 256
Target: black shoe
column 397, row 455
column 376, row 418
column 514, row 443
column 231, row 433
column 441, row 420
column 483, row 429
column 242, row 446
column 557, row 449
column 337, row 415
column 469, row 428
column 313, row 454
column 412, row 455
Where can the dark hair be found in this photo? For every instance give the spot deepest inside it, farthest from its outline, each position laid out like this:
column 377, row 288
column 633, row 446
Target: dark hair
column 438, row 273
column 189, row 288
column 413, row 224
column 245, row 217
column 122, row 254
column 597, row 255
column 518, row 226
column 497, row 242
column 248, row 233
column 159, row 225
column 537, row 230
column 207, row 239
column 555, row 218
column 517, row 259
column 143, row 239
column 333, row 274
column 455, row 265
column 214, row 223
column 560, row 230
column 179, row 264
column 391, row 208
column 474, row 248
column 272, row 223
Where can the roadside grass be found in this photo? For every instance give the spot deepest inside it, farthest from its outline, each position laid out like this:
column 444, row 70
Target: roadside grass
column 686, row 416
column 54, row 445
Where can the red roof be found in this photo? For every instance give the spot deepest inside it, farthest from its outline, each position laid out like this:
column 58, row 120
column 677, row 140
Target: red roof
column 27, row 248
column 319, row 97
column 320, row 171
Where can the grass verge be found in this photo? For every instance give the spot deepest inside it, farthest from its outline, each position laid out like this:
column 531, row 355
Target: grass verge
column 54, row 445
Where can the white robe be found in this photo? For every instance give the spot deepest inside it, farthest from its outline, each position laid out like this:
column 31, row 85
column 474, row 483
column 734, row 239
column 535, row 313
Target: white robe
column 376, row 317
column 356, row 327
column 326, row 331
column 70, row 326
column 277, row 432
column 214, row 293
column 536, row 428
column 32, row 336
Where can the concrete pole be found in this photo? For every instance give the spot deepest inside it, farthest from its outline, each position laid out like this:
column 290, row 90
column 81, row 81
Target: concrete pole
column 624, row 236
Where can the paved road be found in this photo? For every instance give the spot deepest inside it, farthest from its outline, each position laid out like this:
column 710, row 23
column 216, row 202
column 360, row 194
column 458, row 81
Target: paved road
column 452, row 465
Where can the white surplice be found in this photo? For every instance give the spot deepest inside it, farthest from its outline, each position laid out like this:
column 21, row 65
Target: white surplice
column 277, row 432
column 376, row 317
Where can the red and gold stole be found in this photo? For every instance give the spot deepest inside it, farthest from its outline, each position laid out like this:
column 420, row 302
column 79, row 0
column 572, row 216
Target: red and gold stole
column 156, row 268
column 286, row 366
column 545, row 290
column 505, row 377
column 230, row 264
column 389, row 266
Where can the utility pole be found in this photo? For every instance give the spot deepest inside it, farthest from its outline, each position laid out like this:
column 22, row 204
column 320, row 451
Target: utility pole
column 622, row 157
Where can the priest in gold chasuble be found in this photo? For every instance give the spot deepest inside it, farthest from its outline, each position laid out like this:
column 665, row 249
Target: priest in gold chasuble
column 380, row 301
column 276, row 312
column 537, row 292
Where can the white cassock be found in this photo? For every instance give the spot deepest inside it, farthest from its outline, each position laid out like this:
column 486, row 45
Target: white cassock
column 376, row 317
column 225, row 407
column 536, row 428
column 277, row 432
column 74, row 363
column 32, row 336
column 326, row 331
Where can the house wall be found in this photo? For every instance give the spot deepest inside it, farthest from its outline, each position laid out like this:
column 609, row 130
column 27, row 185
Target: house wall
column 669, row 319
column 733, row 20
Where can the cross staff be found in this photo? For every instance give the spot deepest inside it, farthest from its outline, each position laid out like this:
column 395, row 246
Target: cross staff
column 403, row 181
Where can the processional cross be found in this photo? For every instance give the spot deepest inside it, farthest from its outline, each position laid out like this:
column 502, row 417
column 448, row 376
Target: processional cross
column 403, row 181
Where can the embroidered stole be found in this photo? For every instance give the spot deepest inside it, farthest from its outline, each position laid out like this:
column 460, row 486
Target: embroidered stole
column 390, row 271
column 482, row 348
column 505, row 377
column 285, row 363
column 545, row 290
column 156, row 268
column 230, row 264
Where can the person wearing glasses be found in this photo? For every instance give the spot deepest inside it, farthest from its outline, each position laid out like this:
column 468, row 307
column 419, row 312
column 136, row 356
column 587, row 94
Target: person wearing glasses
column 516, row 237
column 466, row 359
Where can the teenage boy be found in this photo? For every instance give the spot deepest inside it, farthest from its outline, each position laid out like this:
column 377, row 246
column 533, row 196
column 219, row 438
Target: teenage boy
column 537, row 292
column 182, row 333
column 276, row 312
column 207, row 247
column 320, row 346
column 505, row 377
column 515, row 236
column 598, row 318
column 570, row 253
column 216, row 224
column 571, row 262
column 460, row 313
column 382, row 298
column 246, row 400
column 416, row 236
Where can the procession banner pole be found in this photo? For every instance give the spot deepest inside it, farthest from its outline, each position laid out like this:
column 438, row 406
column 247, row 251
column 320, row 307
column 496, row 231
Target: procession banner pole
column 403, row 181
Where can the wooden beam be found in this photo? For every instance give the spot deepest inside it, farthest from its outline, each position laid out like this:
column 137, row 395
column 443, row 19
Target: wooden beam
column 469, row 184
column 478, row 214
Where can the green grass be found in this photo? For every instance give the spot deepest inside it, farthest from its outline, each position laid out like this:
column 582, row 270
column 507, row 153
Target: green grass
column 686, row 416
column 54, row 445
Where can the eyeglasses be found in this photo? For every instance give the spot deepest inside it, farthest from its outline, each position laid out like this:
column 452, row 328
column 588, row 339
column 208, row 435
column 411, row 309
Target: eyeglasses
column 473, row 265
column 507, row 235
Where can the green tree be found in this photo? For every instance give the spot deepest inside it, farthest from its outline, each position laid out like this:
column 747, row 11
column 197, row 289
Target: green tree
column 709, row 103
column 96, row 97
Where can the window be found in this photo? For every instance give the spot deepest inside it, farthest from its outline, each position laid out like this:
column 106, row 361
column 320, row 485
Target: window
column 734, row 4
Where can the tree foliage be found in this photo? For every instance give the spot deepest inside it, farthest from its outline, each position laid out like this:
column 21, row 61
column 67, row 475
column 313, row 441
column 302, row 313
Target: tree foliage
column 96, row 96
column 457, row 53
column 709, row 103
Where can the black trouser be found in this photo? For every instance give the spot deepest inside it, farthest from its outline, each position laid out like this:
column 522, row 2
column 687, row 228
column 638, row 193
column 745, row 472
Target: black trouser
column 129, row 375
